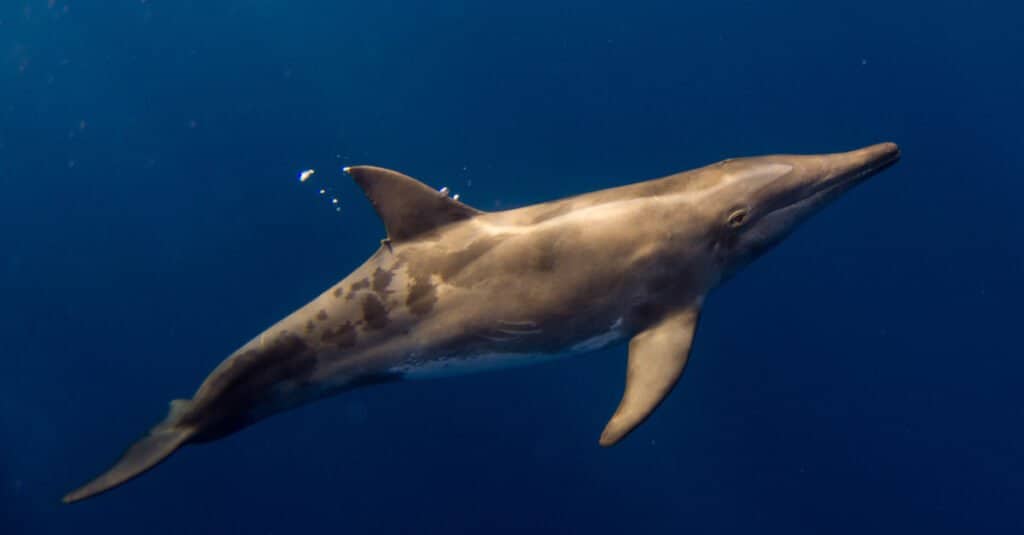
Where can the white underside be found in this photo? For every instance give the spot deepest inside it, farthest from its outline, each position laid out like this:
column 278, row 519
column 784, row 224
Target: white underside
column 452, row 366
column 449, row 366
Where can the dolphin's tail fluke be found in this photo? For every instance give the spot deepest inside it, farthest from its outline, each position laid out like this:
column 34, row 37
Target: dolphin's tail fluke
column 146, row 453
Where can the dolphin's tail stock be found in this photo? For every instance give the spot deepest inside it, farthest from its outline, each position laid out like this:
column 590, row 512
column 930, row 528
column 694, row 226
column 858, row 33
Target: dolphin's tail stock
column 147, row 452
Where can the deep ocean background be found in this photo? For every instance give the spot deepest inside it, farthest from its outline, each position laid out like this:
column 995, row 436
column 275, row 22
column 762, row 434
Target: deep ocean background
column 864, row 377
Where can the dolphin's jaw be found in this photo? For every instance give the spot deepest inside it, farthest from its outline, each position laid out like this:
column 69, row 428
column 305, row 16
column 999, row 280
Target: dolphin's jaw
column 857, row 166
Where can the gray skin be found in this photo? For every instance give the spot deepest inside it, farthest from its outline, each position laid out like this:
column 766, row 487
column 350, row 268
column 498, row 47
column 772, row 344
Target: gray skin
column 453, row 289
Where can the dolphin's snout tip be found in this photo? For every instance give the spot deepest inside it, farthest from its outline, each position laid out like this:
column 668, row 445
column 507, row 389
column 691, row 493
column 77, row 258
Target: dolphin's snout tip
column 869, row 160
column 859, row 164
column 882, row 153
column 891, row 149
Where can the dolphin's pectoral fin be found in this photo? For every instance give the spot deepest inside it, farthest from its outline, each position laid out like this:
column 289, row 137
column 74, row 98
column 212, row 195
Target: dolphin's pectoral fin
column 657, row 357
column 407, row 206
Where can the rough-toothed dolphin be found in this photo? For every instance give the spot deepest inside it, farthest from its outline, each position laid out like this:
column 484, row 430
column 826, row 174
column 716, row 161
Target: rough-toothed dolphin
column 453, row 289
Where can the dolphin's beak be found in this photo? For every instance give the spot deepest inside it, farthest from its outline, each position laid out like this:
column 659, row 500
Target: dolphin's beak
column 814, row 180
column 849, row 168
column 874, row 158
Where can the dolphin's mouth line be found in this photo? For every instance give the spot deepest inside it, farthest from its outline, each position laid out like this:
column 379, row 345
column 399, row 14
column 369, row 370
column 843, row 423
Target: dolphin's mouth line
column 844, row 182
column 834, row 186
column 869, row 171
column 860, row 175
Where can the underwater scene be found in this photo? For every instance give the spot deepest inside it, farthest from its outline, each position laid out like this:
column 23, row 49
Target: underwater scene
column 511, row 267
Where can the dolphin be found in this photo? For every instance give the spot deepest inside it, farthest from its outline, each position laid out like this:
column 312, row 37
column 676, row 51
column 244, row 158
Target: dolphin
column 453, row 289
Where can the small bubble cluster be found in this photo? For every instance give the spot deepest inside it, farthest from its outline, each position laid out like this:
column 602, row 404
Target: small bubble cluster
column 448, row 193
column 325, row 192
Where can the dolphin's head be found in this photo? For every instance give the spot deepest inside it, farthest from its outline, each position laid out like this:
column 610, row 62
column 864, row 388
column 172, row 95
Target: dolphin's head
column 756, row 202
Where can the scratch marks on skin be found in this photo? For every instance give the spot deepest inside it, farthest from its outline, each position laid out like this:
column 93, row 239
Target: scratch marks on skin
column 493, row 338
column 520, row 333
column 523, row 324
column 451, row 366
column 601, row 340
column 510, row 330
column 518, row 328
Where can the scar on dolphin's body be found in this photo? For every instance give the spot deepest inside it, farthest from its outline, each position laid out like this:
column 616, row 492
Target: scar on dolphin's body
column 381, row 280
column 453, row 290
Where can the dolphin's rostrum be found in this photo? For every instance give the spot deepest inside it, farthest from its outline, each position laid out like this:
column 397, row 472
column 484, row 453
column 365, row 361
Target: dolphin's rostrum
column 453, row 289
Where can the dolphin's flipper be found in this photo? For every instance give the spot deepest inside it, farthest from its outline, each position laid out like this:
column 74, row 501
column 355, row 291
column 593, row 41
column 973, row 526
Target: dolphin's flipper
column 407, row 206
column 657, row 357
column 148, row 452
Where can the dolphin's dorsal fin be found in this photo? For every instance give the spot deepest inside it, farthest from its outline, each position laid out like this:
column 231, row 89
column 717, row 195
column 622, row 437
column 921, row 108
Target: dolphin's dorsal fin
column 407, row 206
column 657, row 357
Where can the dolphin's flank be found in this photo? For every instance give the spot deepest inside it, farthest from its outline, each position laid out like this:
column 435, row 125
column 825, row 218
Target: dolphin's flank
column 453, row 289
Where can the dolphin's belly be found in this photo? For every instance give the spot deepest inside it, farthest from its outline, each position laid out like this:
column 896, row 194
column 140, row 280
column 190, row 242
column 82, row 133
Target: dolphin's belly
column 452, row 365
column 449, row 366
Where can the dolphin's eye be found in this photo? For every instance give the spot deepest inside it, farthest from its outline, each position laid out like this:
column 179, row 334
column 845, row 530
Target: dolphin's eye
column 737, row 218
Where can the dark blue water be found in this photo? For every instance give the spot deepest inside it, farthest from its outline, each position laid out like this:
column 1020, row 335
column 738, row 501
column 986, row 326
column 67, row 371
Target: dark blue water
column 863, row 377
